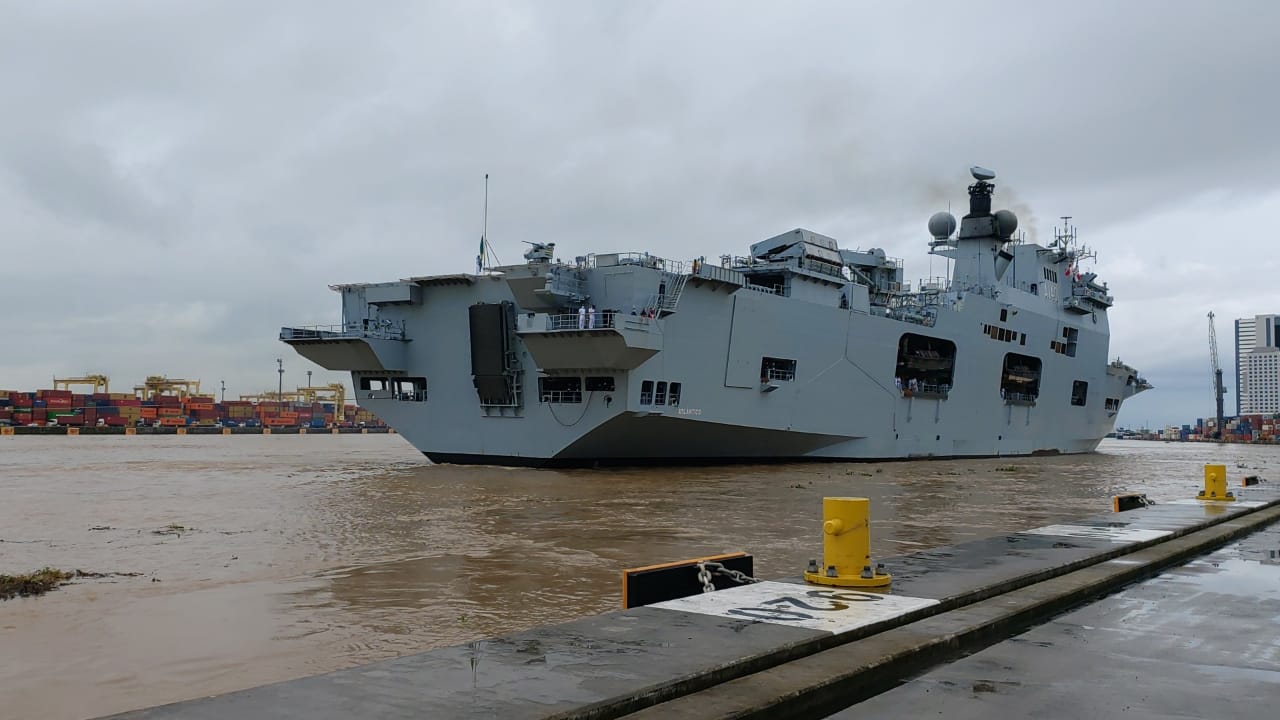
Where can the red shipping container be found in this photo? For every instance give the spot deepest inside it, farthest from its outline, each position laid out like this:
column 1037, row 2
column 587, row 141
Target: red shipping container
column 40, row 414
column 115, row 421
column 21, row 400
column 58, row 402
column 129, row 402
column 6, row 414
column 23, row 418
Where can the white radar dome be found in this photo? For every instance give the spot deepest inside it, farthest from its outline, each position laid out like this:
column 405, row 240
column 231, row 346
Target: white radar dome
column 1006, row 223
column 941, row 225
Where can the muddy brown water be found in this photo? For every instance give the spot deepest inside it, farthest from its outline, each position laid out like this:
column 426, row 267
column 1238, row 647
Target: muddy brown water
column 294, row 555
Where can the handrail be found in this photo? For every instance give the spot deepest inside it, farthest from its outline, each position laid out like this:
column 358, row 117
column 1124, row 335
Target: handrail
column 598, row 320
column 345, row 330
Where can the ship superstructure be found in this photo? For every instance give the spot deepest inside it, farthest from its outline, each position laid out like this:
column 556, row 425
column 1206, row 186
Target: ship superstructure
column 801, row 349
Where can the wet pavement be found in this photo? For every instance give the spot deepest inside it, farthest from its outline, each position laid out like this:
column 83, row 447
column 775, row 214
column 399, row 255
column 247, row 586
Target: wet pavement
column 621, row 662
column 299, row 555
column 1199, row 641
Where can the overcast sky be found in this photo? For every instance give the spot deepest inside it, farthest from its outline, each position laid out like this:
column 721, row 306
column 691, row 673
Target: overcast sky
column 180, row 179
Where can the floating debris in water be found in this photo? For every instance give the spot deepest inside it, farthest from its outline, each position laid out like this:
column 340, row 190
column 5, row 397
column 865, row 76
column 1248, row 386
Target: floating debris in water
column 36, row 583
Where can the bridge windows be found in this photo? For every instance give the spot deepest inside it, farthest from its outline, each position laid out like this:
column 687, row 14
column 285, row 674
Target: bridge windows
column 412, row 389
column 777, row 369
column 600, row 384
column 1079, row 393
column 560, row 389
column 1112, row 404
column 1020, row 379
column 660, row 393
column 925, row 367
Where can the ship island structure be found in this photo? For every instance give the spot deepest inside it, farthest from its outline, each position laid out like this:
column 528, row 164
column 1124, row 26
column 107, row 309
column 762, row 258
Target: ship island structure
column 801, row 350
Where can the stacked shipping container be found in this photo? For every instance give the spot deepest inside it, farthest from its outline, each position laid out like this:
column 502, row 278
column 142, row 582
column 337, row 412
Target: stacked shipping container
column 62, row 407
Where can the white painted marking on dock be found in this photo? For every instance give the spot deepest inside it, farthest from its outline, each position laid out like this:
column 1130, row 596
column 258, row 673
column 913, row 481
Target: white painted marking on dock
column 1233, row 503
column 833, row 609
column 1114, row 534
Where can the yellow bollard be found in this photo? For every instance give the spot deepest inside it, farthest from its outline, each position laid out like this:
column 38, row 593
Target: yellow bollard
column 73, row 431
column 1215, row 484
column 226, row 431
column 6, row 430
column 182, row 431
column 846, row 546
column 130, row 431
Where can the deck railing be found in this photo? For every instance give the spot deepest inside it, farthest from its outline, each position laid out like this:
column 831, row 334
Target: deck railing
column 381, row 331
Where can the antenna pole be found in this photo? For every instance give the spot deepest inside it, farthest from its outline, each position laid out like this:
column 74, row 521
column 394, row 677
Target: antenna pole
column 484, row 234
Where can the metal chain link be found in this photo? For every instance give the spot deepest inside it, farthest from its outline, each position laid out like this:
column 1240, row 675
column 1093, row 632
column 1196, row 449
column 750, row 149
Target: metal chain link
column 705, row 569
column 704, row 577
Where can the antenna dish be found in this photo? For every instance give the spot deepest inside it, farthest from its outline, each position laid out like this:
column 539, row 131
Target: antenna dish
column 980, row 173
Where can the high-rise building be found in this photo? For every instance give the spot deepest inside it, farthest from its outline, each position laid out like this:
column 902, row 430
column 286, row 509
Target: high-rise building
column 1258, row 365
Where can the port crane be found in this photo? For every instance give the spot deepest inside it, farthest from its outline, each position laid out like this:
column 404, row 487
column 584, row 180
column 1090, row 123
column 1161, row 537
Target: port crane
column 160, row 385
column 99, row 382
column 335, row 393
column 1218, row 390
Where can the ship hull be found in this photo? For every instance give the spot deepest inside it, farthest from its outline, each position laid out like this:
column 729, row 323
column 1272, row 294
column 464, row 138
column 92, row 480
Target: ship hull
column 628, row 360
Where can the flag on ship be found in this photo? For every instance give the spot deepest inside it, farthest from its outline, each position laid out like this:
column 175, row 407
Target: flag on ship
column 480, row 257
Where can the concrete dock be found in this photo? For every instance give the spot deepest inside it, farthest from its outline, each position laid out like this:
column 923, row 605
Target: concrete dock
column 789, row 649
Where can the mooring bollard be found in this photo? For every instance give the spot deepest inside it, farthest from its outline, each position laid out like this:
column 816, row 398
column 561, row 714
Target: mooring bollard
column 846, row 546
column 1215, row 484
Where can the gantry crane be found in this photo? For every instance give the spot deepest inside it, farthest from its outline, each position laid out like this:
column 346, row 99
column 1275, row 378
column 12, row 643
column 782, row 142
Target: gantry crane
column 160, row 385
column 1218, row 390
column 99, row 382
column 335, row 393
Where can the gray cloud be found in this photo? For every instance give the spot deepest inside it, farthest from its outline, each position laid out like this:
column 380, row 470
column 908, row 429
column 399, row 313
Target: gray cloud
column 179, row 180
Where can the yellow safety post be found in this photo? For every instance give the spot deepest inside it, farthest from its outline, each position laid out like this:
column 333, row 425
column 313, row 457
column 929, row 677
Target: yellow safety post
column 130, row 431
column 73, row 431
column 6, row 430
column 266, row 431
column 1215, row 484
column 302, row 431
column 182, row 431
column 334, row 431
column 226, row 431
column 846, row 546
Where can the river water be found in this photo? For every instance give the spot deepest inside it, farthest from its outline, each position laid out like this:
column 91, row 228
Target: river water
column 267, row 558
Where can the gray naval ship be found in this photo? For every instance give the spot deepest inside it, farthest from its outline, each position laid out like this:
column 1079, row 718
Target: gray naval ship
column 800, row 350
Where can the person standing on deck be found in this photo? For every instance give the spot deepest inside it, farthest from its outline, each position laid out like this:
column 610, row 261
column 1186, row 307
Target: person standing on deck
column 582, row 316
column 591, row 317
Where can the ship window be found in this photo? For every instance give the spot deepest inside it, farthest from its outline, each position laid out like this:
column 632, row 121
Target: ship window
column 1020, row 379
column 1079, row 393
column 1024, row 339
column 673, row 394
column 660, row 394
column 1034, row 290
column 646, row 392
column 1072, row 336
column 925, row 367
column 412, row 389
column 1112, row 404
column 777, row 369
column 373, row 383
column 600, row 384
column 1004, row 315
column 560, row 389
